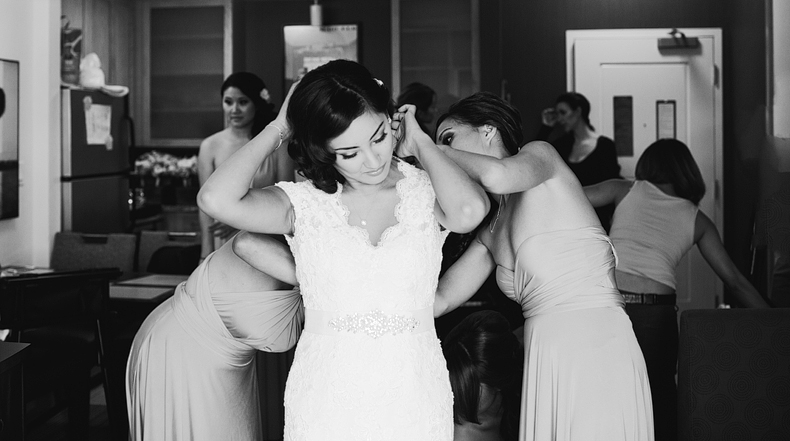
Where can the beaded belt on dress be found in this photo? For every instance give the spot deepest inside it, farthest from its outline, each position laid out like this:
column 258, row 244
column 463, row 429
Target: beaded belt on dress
column 374, row 323
column 648, row 299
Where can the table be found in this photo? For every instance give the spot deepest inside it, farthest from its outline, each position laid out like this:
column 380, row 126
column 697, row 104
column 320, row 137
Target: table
column 137, row 293
column 17, row 270
column 152, row 289
column 154, row 280
column 12, row 404
column 136, row 297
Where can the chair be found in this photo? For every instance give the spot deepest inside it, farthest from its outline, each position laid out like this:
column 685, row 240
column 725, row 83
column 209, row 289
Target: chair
column 734, row 374
column 76, row 251
column 164, row 252
column 62, row 316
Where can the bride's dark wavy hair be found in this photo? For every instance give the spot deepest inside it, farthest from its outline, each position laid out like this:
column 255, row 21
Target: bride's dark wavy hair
column 323, row 105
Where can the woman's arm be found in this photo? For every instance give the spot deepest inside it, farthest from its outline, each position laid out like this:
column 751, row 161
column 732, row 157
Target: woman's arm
column 267, row 255
column 461, row 203
column 707, row 239
column 536, row 162
column 607, row 192
column 227, row 196
column 462, row 280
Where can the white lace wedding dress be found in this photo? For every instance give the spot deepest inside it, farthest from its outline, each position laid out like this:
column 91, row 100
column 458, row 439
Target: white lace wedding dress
column 368, row 365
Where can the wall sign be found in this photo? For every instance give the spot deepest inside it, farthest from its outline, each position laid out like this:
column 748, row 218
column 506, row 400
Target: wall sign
column 666, row 124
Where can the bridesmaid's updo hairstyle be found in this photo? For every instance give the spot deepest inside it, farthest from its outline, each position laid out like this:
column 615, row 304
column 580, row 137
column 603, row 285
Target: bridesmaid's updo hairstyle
column 487, row 108
column 325, row 102
column 252, row 87
column 669, row 161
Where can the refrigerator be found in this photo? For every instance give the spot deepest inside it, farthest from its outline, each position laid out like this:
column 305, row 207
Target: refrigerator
column 96, row 144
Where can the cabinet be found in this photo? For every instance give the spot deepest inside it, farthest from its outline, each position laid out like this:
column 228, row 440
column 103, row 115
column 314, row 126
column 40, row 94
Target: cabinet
column 436, row 42
column 186, row 53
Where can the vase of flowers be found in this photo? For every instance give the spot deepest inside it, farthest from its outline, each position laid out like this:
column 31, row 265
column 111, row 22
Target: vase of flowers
column 174, row 177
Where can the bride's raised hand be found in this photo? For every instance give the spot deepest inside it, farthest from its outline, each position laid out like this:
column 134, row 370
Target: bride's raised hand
column 407, row 131
column 281, row 120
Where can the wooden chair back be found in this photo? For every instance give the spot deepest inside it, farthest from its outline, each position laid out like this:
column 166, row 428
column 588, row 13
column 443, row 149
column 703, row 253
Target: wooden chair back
column 77, row 251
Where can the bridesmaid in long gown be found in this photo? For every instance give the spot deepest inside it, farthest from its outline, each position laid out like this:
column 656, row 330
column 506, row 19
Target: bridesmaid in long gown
column 584, row 374
column 191, row 373
column 366, row 231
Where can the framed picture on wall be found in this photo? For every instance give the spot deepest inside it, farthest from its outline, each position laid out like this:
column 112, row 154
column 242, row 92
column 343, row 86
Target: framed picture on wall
column 307, row 47
column 9, row 139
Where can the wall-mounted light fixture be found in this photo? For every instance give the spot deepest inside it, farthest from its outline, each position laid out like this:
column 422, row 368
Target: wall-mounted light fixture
column 678, row 41
column 316, row 16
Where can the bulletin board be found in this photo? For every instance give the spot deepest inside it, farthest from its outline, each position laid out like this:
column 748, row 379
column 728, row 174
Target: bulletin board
column 307, row 47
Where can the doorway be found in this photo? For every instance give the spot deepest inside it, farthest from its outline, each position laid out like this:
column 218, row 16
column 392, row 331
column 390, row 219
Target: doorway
column 645, row 84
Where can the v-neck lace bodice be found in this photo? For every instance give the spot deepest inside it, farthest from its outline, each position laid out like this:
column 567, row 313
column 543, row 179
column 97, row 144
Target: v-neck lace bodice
column 340, row 270
column 399, row 189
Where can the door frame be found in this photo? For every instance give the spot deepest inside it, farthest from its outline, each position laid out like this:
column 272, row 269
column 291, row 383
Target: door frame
column 572, row 36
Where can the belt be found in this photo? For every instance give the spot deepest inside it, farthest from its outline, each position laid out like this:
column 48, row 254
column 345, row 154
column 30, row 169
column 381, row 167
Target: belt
column 649, row 299
column 374, row 323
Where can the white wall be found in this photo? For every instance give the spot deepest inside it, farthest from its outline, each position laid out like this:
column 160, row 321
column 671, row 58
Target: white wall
column 30, row 34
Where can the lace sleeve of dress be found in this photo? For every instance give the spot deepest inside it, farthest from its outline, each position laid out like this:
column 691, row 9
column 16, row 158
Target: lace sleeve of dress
column 299, row 194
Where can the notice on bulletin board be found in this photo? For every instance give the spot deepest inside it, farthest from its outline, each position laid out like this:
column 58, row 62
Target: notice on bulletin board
column 307, row 47
column 666, row 119
column 97, row 123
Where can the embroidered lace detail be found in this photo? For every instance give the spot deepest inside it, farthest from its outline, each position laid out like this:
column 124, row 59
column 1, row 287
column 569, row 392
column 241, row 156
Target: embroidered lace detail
column 374, row 323
column 349, row 386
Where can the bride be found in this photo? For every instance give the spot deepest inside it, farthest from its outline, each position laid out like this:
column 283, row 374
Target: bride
column 366, row 230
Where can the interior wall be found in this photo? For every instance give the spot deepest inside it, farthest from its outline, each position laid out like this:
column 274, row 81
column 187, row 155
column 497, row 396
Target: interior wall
column 536, row 73
column 29, row 33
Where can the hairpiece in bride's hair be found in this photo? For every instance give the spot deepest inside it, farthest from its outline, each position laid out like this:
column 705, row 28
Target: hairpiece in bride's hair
column 379, row 82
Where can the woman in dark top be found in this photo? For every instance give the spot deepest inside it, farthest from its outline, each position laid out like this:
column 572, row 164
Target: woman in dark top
column 592, row 157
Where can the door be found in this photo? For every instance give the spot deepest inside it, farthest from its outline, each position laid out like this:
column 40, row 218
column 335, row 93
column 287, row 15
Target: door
column 640, row 93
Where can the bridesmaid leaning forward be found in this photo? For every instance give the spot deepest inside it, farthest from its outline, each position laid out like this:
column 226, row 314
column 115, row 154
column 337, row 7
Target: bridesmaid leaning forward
column 584, row 375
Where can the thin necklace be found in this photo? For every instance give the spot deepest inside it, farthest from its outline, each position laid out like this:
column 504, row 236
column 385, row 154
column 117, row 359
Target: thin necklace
column 362, row 219
column 498, row 211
